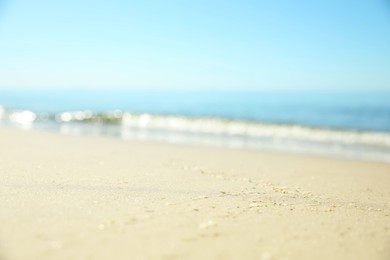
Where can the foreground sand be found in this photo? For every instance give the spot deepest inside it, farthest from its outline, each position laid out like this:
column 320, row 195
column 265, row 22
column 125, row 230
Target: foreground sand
column 64, row 197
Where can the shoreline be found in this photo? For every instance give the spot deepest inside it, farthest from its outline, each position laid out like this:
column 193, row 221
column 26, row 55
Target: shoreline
column 94, row 197
column 208, row 132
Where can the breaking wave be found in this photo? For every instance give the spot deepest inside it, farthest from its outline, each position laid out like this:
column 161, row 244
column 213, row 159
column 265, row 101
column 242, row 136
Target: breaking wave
column 368, row 145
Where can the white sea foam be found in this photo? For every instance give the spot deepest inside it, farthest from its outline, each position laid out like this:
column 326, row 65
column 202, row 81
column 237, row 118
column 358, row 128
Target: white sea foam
column 214, row 131
column 253, row 129
column 2, row 111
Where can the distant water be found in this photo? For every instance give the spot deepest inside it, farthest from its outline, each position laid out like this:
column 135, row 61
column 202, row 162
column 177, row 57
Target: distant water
column 345, row 124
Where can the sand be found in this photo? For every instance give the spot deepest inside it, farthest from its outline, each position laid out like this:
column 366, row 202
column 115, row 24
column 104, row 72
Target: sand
column 67, row 197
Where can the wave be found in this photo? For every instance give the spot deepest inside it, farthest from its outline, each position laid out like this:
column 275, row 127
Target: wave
column 207, row 130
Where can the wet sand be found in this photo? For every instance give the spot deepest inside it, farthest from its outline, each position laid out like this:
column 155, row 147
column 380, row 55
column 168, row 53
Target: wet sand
column 66, row 197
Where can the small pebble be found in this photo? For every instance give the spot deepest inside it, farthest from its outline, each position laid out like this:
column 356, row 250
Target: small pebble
column 206, row 224
column 101, row 226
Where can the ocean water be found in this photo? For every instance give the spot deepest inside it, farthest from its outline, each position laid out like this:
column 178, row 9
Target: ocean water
column 342, row 124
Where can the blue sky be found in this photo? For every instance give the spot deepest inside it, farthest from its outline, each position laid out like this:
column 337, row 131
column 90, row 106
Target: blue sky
column 202, row 44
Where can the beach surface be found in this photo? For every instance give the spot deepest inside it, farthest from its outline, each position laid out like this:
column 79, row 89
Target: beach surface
column 78, row 197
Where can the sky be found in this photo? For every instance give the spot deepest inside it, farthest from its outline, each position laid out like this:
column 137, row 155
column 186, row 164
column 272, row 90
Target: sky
column 202, row 44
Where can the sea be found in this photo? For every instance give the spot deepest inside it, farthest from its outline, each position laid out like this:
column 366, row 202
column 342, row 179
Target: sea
column 344, row 124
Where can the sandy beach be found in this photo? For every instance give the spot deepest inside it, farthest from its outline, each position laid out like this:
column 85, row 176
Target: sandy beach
column 72, row 197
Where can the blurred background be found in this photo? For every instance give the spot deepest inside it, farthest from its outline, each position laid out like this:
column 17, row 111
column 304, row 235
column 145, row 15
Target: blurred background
column 297, row 76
